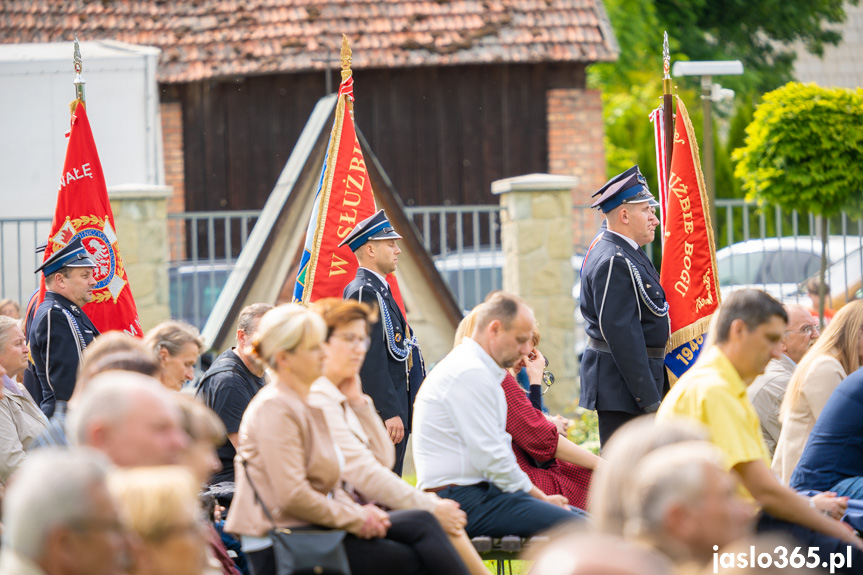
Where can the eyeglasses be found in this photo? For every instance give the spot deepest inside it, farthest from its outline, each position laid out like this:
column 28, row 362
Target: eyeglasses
column 807, row 329
column 353, row 339
column 547, row 380
column 532, row 357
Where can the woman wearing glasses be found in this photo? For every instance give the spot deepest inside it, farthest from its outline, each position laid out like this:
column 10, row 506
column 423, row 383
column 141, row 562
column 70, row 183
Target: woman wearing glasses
column 286, row 456
column 360, row 434
column 554, row 464
column 837, row 353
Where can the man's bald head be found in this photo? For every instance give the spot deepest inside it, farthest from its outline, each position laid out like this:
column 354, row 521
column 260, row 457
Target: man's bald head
column 130, row 417
column 801, row 333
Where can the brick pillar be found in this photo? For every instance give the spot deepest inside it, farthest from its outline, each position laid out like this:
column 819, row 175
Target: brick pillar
column 537, row 245
column 142, row 232
column 175, row 174
column 576, row 148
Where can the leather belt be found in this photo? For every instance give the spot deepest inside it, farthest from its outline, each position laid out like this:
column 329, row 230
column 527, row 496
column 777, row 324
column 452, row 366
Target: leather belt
column 599, row 345
column 439, row 489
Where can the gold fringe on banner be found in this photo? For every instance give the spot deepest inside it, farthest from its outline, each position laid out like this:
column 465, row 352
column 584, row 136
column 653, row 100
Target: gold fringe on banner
column 332, row 159
column 700, row 326
column 702, row 190
column 688, row 333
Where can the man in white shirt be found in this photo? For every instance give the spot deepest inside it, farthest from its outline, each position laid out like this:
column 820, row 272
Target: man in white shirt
column 768, row 389
column 461, row 448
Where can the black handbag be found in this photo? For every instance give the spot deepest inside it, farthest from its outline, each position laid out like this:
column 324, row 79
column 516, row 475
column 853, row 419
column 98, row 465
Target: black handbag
column 305, row 550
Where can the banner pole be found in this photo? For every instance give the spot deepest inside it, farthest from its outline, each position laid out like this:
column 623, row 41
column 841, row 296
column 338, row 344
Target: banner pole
column 79, row 66
column 667, row 104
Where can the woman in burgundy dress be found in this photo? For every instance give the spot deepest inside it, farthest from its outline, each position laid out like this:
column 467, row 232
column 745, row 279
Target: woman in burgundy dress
column 554, row 463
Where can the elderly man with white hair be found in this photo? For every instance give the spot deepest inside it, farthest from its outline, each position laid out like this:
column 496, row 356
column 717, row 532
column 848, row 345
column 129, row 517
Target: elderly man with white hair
column 768, row 389
column 59, row 518
column 131, row 418
column 681, row 502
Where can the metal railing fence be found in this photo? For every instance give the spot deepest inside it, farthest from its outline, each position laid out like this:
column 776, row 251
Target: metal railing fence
column 464, row 242
column 19, row 238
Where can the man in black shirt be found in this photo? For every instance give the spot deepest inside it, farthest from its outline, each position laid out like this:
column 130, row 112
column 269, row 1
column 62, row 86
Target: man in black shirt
column 231, row 383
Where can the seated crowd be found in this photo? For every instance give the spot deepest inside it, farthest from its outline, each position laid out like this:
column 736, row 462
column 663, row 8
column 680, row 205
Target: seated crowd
column 139, row 474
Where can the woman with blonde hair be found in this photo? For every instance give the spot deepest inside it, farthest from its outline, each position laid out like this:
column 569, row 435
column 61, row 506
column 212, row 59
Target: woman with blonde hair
column 177, row 346
column 160, row 505
column 359, row 432
column 837, row 353
column 287, row 462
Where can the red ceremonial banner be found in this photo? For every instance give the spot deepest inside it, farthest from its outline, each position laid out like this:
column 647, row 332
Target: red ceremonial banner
column 83, row 211
column 344, row 199
column 688, row 275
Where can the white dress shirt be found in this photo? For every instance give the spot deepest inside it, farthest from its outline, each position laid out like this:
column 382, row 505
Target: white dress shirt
column 459, row 424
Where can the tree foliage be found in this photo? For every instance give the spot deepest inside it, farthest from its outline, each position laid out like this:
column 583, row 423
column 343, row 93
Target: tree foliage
column 804, row 150
column 760, row 34
column 754, row 32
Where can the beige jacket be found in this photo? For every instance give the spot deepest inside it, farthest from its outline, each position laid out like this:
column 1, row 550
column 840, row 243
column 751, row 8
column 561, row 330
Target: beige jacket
column 294, row 466
column 823, row 377
column 766, row 394
column 369, row 453
column 21, row 421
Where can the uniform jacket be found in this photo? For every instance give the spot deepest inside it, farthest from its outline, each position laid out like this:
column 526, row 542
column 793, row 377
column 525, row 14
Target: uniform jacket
column 294, row 467
column 31, row 384
column 625, row 379
column 384, row 378
column 56, row 349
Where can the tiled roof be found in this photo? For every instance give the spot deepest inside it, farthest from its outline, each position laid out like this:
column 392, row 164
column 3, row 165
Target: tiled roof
column 203, row 39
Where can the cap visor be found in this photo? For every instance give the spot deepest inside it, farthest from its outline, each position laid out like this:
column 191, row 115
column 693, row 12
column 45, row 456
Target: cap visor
column 653, row 203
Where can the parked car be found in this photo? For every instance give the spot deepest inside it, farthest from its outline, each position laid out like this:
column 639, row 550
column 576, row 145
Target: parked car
column 472, row 274
column 782, row 266
column 195, row 287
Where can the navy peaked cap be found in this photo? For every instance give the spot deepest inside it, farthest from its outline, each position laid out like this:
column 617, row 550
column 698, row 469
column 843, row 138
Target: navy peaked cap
column 376, row 227
column 630, row 187
column 72, row 255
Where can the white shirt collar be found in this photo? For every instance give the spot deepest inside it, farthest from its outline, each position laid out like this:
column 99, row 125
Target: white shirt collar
column 379, row 276
column 486, row 359
column 630, row 241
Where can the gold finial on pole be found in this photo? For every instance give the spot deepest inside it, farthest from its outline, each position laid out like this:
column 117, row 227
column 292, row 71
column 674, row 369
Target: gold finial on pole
column 666, row 64
column 346, row 58
column 79, row 66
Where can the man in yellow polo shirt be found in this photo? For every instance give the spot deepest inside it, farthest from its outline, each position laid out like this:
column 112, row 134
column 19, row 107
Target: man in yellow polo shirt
column 749, row 332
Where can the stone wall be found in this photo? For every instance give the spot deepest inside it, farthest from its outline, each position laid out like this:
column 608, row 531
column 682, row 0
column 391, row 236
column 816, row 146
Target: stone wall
column 142, row 232
column 536, row 235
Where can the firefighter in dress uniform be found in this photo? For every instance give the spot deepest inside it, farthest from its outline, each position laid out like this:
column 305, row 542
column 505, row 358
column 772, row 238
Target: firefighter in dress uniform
column 622, row 371
column 61, row 331
column 393, row 368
